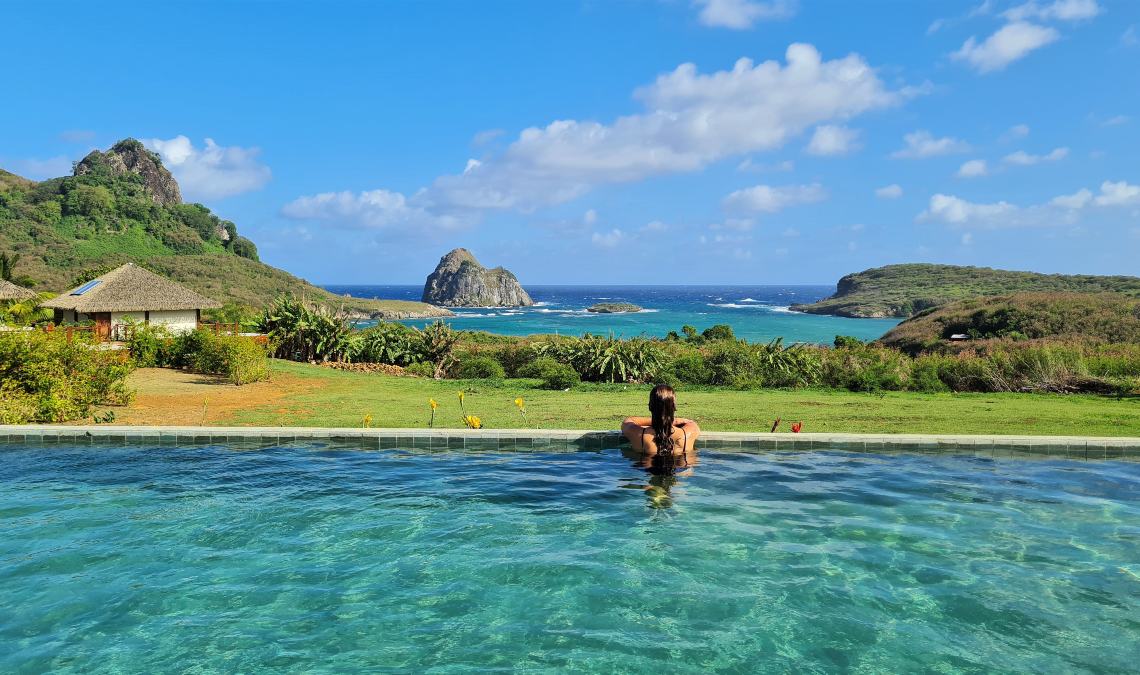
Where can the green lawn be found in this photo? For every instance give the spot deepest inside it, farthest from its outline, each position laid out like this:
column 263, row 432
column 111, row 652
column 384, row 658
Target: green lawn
column 338, row 399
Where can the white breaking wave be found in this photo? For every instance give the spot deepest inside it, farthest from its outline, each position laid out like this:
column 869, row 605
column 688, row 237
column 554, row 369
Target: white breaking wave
column 787, row 310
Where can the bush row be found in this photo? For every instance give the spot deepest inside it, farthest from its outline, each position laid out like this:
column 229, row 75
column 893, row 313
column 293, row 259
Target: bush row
column 241, row 359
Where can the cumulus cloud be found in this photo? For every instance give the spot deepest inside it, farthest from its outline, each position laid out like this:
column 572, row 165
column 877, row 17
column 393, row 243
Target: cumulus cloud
column 749, row 165
column 742, row 14
column 972, row 169
column 214, row 171
column 767, row 199
column 833, row 139
column 889, row 192
column 692, row 119
column 1118, row 194
column 922, row 144
column 1010, row 43
column 373, row 209
column 609, row 239
column 1024, row 158
column 954, row 211
column 1063, row 10
column 1078, row 200
column 1062, row 210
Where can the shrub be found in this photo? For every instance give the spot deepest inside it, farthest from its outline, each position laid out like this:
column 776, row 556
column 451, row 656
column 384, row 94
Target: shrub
column 513, row 357
column 537, row 367
column 45, row 378
column 719, row 332
column 479, row 367
column 420, row 369
column 607, row 359
column 847, row 342
column 689, row 369
column 241, row 359
column 560, row 376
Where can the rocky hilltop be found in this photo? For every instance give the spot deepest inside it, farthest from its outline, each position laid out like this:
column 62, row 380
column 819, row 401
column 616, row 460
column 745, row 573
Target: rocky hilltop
column 129, row 156
column 460, row 281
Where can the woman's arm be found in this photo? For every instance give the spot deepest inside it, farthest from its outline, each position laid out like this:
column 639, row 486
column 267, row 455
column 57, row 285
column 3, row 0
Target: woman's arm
column 691, row 427
column 633, row 428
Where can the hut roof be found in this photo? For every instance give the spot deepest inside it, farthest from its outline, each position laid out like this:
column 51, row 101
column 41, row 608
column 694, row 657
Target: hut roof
column 10, row 291
column 129, row 288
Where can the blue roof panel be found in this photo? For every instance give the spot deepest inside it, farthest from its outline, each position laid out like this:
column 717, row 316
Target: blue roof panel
column 86, row 287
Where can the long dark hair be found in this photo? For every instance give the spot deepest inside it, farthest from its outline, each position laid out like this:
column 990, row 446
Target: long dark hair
column 663, row 406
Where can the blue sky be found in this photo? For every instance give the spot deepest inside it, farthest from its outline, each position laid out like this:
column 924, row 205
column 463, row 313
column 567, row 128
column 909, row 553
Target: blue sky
column 717, row 141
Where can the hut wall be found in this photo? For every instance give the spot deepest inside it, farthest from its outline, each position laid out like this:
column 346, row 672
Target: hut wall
column 177, row 321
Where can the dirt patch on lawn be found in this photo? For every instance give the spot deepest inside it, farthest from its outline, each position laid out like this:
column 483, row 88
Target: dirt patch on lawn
column 168, row 397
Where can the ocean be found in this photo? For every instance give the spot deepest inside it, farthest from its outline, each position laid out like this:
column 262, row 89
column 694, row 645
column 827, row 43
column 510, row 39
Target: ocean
column 754, row 312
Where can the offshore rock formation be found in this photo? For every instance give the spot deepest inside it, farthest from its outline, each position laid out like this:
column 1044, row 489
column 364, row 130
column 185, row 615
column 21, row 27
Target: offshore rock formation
column 129, row 155
column 460, row 281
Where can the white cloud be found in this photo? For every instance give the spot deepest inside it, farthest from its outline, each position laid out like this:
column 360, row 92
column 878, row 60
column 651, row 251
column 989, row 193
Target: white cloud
column 1118, row 194
column 784, row 251
column 735, row 225
column 967, row 238
column 851, row 246
column 214, row 172
column 857, row 226
column 1128, row 37
column 889, row 192
column 1019, row 131
column 953, row 211
column 572, row 227
column 1119, row 119
column 790, row 232
column 1063, row 10
column 1079, row 200
column 1010, row 43
column 608, row 240
column 742, row 14
column 373, row 209
column 38, row 169
column 484, row 137
column 972, row 169
column 923, row 144
column 749, row 165
column 1024, row 158
column 833, row 139
column 764, row 198
column 654, row 226
column 691, row 120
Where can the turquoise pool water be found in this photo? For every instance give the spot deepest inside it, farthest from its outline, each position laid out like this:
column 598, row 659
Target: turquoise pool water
column 310, row 560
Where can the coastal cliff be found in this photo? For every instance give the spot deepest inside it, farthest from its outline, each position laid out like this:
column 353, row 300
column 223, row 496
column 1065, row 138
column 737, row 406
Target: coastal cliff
column 460, row 281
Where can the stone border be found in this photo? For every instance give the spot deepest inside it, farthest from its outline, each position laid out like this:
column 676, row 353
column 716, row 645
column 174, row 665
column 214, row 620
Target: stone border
column 563, row 440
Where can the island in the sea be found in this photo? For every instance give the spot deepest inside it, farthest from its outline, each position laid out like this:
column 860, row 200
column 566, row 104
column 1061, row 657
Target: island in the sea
column 613, row 308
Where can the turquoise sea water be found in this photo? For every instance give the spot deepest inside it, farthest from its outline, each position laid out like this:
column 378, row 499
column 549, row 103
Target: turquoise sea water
column 754, row 312
column 311, row 560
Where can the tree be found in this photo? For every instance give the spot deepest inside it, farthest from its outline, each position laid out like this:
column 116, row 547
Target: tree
column 8, row 271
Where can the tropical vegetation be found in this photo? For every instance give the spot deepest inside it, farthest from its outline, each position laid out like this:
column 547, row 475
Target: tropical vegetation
column 905, row 290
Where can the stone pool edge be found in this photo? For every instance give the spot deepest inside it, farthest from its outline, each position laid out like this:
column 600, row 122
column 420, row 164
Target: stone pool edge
column 1057, row 447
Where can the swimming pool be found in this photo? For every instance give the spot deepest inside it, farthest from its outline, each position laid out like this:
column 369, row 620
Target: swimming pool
column 313, row 559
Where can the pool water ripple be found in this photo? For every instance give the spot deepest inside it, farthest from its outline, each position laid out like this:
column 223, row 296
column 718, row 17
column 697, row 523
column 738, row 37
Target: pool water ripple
column 314, row 560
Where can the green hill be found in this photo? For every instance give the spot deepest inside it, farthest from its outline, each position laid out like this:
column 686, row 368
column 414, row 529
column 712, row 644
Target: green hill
column 123, row 205
column 905, row 290
column 1102, row 317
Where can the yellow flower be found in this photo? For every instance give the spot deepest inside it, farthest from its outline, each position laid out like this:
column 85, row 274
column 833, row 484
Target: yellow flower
column 460, row 395
column 433, row 403
column 367, row 419
column 518, row 402
column 473, row 422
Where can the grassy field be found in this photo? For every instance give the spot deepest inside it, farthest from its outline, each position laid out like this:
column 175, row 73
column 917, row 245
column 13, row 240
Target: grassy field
column 305, row 395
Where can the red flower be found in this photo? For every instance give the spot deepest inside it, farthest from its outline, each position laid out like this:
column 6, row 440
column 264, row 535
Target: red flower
column 796, row 426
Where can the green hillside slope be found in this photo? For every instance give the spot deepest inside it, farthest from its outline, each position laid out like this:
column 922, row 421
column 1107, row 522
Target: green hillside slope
column 904, row 290
column 123, row 205
column 1101, row 317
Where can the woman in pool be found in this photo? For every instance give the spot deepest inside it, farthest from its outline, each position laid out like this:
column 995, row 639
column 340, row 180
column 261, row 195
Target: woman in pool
column 664, row 441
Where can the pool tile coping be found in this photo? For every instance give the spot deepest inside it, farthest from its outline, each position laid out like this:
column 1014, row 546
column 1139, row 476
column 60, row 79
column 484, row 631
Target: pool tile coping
column 520, row 440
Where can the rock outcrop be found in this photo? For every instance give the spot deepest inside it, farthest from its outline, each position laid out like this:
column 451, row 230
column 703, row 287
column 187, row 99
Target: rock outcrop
column 129, row 155
column 460, row 281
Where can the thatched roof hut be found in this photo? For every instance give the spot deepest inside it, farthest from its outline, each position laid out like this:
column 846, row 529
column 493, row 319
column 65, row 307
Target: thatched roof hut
column 10, row 291
column 129, row 288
